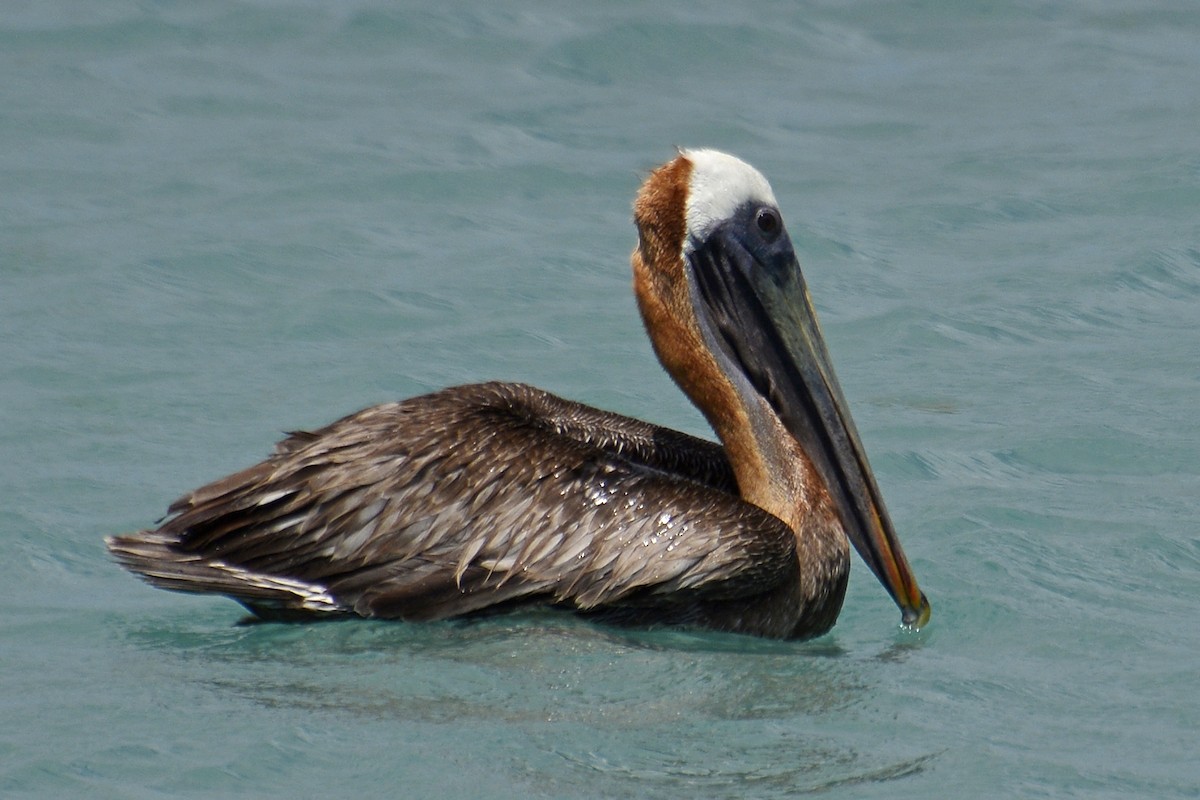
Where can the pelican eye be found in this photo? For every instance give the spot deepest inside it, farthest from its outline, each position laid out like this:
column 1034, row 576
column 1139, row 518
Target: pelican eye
column 768, row 223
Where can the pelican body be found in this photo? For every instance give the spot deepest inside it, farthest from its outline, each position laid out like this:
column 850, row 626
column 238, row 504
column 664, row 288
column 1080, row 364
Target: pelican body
column 494, row 496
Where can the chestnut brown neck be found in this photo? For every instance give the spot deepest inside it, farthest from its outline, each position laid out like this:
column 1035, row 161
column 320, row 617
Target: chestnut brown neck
column 771, row 468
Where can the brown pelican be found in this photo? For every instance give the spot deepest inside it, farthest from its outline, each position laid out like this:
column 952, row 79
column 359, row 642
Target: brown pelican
column 499, row 495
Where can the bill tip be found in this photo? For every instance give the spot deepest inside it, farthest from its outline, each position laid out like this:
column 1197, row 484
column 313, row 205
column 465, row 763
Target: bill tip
column 913, row 619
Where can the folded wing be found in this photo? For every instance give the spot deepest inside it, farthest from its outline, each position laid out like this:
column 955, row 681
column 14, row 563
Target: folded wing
column 470, row 499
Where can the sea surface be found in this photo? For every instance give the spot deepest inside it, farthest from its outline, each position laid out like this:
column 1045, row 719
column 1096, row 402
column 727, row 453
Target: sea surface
column 221, row 220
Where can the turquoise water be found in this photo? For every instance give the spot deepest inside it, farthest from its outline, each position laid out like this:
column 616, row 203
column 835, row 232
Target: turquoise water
column 225, row 220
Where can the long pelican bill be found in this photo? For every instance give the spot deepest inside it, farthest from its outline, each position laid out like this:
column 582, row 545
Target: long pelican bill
column 753, row 306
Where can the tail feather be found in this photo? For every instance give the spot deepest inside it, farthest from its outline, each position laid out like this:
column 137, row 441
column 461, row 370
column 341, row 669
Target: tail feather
column 158, row 560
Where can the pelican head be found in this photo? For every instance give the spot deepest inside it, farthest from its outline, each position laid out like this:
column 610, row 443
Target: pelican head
column 726, row 306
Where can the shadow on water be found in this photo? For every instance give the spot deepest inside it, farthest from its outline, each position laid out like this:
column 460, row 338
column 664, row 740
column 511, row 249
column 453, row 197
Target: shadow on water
column 650, row 710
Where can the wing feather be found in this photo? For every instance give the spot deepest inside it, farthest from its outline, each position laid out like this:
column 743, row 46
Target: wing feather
column 470, row 498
